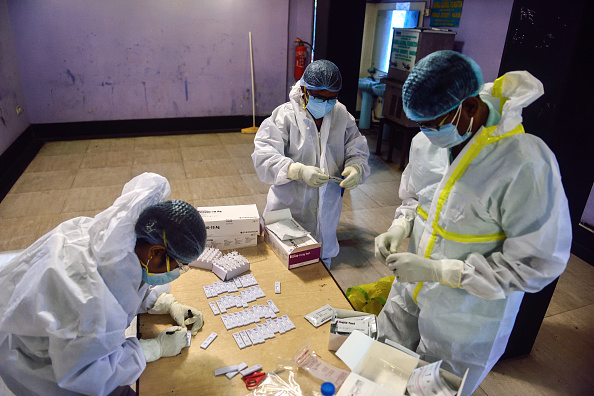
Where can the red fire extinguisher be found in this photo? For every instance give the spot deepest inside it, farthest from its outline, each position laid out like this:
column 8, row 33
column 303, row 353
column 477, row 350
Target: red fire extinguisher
column 300, row 57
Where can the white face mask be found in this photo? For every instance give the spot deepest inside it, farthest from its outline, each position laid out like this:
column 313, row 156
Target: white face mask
column 447, row 136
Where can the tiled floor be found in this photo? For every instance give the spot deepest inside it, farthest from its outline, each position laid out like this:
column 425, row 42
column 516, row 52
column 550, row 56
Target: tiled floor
column 81, row 178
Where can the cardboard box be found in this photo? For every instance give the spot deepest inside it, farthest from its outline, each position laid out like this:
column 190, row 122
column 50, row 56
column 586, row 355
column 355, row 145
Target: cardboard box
column 380, row 369
column 232, row 241
column 336, row 340
column 293, row 253
column 231, row 227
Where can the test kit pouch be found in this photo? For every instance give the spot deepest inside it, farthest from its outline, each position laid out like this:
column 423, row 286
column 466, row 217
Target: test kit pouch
column 337, row 337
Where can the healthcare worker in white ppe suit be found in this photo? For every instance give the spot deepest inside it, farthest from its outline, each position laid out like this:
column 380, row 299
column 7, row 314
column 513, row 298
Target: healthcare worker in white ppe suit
column 66, row 301
column 485, row 210
column 302, row 144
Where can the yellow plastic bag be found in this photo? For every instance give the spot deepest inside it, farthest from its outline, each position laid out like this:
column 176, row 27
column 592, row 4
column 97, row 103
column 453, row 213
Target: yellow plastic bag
column 370, row 297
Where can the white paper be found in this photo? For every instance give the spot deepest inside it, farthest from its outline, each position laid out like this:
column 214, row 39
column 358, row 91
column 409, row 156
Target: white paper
column 427, row 381
column 287, row 229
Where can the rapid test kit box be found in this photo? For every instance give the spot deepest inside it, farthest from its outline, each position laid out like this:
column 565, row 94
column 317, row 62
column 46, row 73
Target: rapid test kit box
column 293, row 245
column 391, row 370
column 231, row 227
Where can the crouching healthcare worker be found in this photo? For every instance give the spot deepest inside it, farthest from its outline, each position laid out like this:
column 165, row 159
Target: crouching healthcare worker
column 304, row 143
column 485, row 210
column 66, row 301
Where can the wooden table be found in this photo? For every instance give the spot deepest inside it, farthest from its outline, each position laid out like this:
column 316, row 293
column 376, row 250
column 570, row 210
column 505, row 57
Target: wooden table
column 303, row 290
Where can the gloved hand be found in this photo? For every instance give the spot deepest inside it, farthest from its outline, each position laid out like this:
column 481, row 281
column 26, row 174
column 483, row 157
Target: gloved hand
column 408, row 267
column 352, row 176
column 184, row 315
column 389, row 242
column 312, row 175
column 168, row 343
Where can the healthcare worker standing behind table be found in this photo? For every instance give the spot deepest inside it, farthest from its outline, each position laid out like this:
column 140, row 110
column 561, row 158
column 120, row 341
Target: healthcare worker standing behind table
column 66, row 301
column 485, row 210
column 302, row 144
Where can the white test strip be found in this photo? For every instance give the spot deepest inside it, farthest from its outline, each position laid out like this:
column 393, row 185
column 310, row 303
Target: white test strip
column 231, row 288
column 233, row 320
column 242, row 366
column 252, row 336
column 288, row 322
column 280, row 325
column 221, row 306
column 269, row 330
column 251, row 370
column 228, row 324
column 188, row 339
column 273, row 306
column 265, row 331
column 225, row 370
column 213, row 306
column 207, row 291
column 259, row 335
column 232, row 374
column 247, row 318
column 209, row 340
column 246, row 338
column 238, row 340
column 236, row 319
column 254, row 316
column 277, row 288
column 271, row 326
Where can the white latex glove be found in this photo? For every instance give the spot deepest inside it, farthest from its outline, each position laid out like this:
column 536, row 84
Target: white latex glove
column 352, row 176
column 408, row 267
column 312, row 175
column 168, row 343
column 389, row 242
column 184, row 315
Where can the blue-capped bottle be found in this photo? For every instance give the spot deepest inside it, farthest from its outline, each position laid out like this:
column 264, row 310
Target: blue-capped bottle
column 328, row 389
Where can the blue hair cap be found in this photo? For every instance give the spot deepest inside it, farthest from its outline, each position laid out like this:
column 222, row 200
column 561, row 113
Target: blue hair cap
column 438, row 83
column 179, row 223
column 322, row 75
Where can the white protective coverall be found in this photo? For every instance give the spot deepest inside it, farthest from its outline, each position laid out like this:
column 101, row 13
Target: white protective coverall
column 290, row 135
column 66, row 301
column 500, row 207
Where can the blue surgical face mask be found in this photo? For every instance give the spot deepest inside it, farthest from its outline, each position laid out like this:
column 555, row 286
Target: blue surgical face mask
column 447, row 135
column 318, row 107
column 159, row 279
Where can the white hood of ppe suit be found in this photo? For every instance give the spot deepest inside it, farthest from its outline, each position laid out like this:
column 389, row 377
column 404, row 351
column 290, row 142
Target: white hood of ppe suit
column 70, row 296
column 290, row 135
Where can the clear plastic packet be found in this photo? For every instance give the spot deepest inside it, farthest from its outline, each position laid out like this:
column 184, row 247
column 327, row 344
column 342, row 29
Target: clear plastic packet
column 313, row 364
column 288, row 380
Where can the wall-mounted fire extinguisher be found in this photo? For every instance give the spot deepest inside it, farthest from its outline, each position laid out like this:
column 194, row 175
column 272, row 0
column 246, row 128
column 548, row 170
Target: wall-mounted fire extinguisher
column 300, row 57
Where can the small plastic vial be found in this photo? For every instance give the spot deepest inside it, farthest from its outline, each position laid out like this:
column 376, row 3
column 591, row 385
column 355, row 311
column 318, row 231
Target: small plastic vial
column 327, row 389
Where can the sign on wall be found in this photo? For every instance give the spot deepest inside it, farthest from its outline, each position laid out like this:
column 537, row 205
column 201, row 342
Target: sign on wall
column 446, row 13
column 404, row 49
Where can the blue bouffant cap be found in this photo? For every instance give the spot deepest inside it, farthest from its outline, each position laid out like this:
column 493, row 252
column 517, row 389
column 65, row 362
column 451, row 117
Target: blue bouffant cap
column 322, row 74
column 438, row 83
column 180, row 223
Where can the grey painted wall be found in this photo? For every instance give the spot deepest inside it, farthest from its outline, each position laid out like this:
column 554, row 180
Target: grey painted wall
column 88, row 60
column 11, row 93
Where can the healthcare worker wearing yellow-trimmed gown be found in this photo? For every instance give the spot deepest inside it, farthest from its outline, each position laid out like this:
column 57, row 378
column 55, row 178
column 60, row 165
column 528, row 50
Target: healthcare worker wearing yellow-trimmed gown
column 66, row 301
column 302, row 144
column 485, row 210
